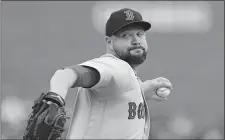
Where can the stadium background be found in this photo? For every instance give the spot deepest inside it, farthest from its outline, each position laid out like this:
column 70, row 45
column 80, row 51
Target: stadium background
column 186, row 45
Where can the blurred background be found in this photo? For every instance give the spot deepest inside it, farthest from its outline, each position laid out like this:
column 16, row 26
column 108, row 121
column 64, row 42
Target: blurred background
column 186, row 45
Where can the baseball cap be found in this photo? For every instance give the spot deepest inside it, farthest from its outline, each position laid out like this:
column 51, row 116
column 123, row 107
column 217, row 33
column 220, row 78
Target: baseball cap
column 124, row 18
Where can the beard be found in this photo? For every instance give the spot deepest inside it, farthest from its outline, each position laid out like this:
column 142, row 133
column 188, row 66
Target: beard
column 133, row 59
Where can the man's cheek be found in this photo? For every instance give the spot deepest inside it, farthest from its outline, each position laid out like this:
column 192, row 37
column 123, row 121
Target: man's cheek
column 146, row 46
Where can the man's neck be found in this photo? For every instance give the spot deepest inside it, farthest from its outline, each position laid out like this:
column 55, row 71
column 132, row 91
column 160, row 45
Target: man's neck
column 112, row 53
column 135, row 68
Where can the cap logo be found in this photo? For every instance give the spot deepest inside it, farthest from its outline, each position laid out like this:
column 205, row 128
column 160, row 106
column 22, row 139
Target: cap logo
column 129, row 14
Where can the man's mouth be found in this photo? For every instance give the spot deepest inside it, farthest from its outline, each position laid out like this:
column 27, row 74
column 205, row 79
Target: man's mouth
column 138, row 48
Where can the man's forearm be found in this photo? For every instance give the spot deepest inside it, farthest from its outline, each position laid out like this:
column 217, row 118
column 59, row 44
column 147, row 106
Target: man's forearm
column 76, row 76
column 61, row 81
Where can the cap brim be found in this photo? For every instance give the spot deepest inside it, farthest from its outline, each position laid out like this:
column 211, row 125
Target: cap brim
column 145, row 25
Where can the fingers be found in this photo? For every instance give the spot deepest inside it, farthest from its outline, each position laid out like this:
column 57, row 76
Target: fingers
column 157, row 98
column 52, row 103
column 162, row 82
column 49, row 102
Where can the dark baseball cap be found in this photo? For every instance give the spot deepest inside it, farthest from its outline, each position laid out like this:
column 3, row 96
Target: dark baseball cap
column 124, row 18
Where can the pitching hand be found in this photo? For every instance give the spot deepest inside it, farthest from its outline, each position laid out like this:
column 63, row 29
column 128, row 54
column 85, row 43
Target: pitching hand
column 150, row 87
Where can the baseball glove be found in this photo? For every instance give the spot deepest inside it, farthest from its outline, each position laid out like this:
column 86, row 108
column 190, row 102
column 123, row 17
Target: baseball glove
column 48, row 118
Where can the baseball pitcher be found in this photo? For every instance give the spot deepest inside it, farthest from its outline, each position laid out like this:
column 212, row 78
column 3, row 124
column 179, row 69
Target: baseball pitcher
column 111, row 98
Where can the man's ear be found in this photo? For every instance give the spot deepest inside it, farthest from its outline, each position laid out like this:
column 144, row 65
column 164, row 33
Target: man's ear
column 108, row 40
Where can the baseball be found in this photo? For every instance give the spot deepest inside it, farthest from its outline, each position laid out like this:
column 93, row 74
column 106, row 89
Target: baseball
column 163, row 92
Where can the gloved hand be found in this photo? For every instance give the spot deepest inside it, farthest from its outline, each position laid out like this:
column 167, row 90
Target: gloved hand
column 47, row 119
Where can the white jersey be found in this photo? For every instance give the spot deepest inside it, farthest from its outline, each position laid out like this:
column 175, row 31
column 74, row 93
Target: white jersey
column 115, row 108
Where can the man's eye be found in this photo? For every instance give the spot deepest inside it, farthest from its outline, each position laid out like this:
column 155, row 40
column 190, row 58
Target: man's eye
column 124, row 35
column 140, row 34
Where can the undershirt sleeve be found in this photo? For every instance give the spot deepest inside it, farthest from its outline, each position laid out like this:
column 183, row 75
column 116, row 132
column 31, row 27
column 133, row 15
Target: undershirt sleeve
column 87, row 77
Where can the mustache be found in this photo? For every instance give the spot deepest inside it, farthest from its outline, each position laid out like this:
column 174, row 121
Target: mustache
column 136, row 47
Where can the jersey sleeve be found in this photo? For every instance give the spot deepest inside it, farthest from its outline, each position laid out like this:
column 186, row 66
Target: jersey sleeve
column 102, row 65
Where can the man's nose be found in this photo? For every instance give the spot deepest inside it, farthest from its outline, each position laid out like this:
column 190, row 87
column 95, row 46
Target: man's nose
column 135, row 41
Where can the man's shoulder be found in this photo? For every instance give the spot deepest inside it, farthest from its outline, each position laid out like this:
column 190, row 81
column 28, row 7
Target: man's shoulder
column 109, row 56
column 109, row 62
column 106, row 58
